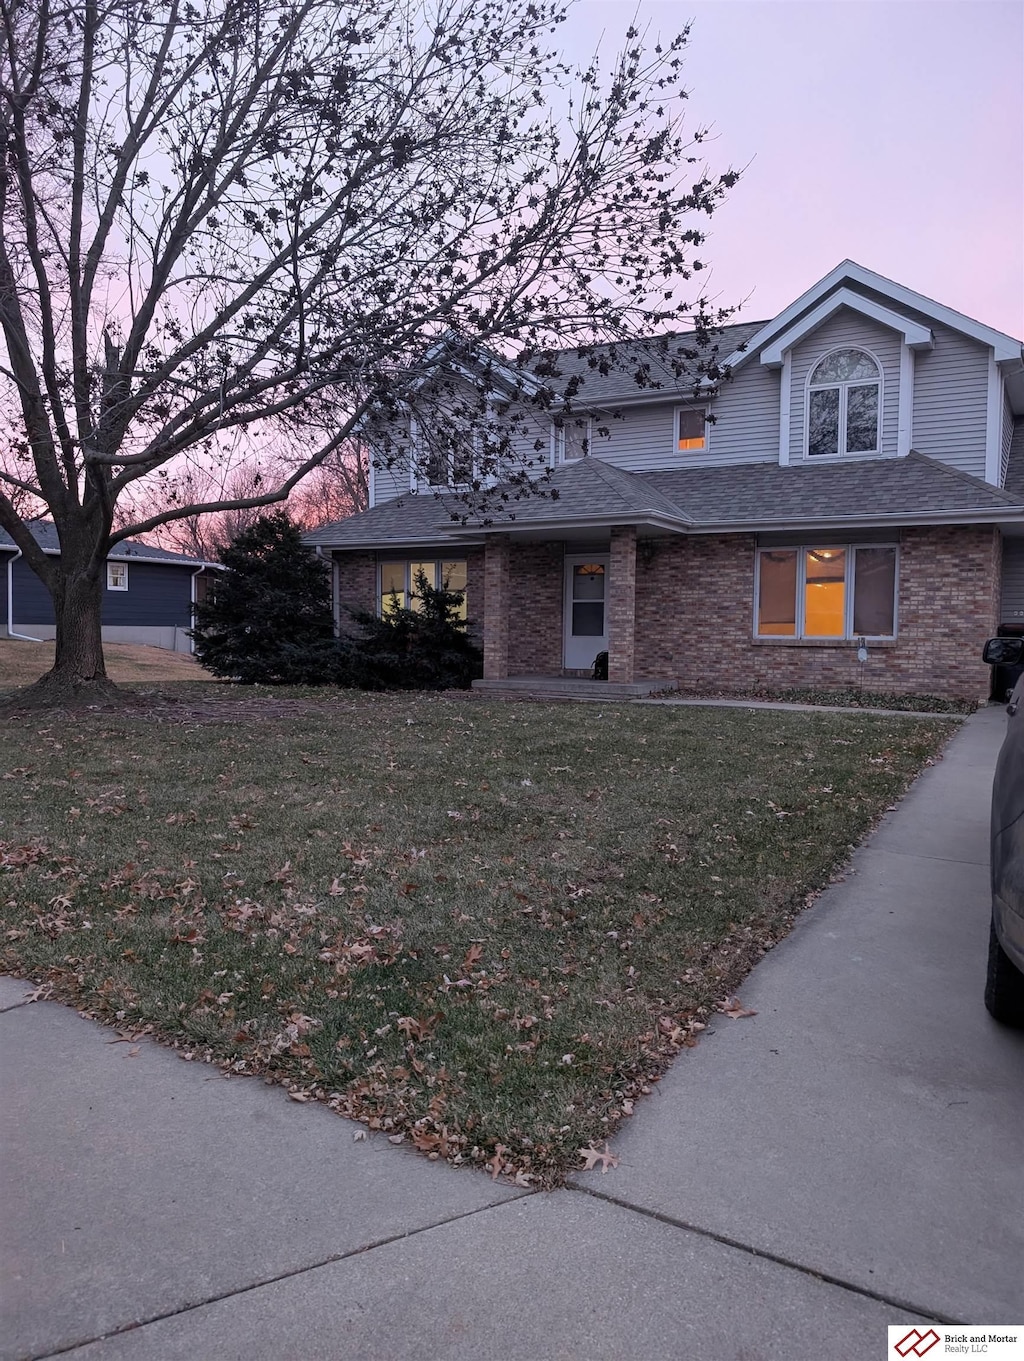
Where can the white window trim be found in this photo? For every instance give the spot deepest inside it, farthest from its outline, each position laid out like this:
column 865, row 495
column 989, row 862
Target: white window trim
column 111, row 568
column 419, row 479
column 558, row 441
column 691, row 406
column 407, row 588
column 848, row 635
column 821, row 387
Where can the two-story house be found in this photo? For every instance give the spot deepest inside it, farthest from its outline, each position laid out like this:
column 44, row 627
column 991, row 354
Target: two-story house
column 847, row 509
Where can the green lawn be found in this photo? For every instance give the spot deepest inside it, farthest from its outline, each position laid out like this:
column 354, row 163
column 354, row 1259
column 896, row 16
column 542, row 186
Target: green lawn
column 483, row 927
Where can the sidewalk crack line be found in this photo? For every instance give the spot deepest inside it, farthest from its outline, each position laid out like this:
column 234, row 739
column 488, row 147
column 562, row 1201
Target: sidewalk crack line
column 272, row 1280
column 893, row 1301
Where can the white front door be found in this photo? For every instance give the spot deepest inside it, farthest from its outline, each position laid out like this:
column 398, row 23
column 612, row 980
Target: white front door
column 586, row 609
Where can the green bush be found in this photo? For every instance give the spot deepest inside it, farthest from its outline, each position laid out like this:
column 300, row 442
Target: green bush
column 269, row 619
column 426, row 648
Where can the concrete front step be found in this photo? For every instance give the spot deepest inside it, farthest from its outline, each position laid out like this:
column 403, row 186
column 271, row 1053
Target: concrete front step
column 567, row 687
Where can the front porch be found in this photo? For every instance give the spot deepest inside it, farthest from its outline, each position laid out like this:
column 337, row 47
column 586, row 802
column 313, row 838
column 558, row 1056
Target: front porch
column 571, row 687
column 549, row 611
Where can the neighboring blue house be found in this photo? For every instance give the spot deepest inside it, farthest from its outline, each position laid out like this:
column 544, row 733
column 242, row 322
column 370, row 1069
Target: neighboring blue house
column 148, row 593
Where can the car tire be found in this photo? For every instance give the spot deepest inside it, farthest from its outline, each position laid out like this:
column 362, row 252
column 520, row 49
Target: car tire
column 1004, row 987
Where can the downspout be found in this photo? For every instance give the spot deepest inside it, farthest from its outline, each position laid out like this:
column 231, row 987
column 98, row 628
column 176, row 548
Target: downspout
column 335, row 605
column 21, row 637
column 192, row 602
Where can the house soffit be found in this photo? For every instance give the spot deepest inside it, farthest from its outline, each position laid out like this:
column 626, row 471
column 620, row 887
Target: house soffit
column 914, row 335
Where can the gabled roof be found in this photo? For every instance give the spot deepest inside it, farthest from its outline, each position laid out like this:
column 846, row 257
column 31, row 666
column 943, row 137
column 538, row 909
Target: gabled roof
column 128, row 550
column 731, row 499
column 1004, row 347
column 646, row 370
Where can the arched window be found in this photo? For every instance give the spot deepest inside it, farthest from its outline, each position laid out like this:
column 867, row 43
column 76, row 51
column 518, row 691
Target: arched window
column 844, row 404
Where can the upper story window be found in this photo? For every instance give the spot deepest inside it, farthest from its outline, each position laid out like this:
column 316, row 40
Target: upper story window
column 844, row 404
column 117, row 576
column 571, row 438
column 691, row 428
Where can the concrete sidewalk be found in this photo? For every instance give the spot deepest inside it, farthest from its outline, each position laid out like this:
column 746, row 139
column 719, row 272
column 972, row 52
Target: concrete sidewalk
column 848, row 1158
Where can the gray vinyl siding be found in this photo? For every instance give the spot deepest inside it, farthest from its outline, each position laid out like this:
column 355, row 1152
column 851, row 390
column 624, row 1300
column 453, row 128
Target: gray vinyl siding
column 951, row 400
column 1007, row 437
column 1012, row 610
column 845, row 329
column 157, row 597
column 639, row 438
column 531, row 441
column 642, row 438
column 747, row 413
column 389, row 483
column 5, row 558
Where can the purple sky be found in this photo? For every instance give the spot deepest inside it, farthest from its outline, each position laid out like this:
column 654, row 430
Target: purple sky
column 888, row 132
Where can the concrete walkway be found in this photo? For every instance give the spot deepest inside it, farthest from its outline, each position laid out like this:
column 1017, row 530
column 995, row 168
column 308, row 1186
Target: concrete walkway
column 850, row 1157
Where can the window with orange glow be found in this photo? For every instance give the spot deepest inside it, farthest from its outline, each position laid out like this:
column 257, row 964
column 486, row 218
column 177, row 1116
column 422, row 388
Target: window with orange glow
column 398, row 583
column 840, row 591
column 691, row 428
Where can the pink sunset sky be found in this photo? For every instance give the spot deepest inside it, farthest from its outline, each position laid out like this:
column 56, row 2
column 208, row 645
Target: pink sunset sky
column 890, row 132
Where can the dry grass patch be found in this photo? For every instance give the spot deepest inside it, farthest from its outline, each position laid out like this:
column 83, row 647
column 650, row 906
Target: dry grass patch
column 23, row 663
column 484, row 928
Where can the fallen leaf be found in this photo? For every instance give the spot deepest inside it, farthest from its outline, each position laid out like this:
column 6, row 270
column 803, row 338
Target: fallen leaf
column 732, row 1006
column 495, row 1161
column 473, row 955
column 359, row 1134
column 592, row 1156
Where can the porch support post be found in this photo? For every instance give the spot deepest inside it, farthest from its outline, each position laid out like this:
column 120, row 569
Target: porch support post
column 622, row 604
column 496, row 600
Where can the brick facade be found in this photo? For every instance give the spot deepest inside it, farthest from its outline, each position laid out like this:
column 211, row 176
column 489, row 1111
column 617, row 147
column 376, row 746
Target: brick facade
column 536, row 595
column 355, row 586
column 693, row 610
column 622, row 605
column 496, row 608
column 695, row 613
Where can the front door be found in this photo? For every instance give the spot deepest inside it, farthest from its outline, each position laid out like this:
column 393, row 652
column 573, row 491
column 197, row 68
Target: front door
column 586, row 609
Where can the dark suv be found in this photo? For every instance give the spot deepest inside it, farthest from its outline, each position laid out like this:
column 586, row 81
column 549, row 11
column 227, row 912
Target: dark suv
column 1004, row 990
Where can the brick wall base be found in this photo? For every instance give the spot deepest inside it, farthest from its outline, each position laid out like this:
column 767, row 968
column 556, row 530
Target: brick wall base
column 694, row 610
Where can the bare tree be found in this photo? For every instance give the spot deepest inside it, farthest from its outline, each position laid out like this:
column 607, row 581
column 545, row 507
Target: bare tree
column 234, row 228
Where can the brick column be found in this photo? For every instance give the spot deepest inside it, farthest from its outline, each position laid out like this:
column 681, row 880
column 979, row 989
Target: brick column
column 496, row 601
column 622, row 604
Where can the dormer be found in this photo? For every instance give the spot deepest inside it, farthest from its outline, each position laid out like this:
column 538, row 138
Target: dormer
column 869, row 369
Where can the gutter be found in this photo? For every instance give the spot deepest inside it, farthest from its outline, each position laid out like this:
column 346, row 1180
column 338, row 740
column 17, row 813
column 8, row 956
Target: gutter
column 21, row 637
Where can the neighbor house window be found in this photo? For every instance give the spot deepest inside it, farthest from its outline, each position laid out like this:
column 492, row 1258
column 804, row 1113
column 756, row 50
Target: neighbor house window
column 398, row 582
column 829, row 592
column 843, row 405
column 117, row 576
column 571, row 438
column 691, row 428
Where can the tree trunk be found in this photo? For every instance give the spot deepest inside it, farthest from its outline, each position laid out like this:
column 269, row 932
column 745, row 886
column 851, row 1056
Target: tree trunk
column 79, row 674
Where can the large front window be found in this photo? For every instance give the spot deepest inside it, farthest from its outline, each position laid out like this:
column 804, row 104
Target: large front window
column 840, row 592
column 398, row 582
column 843, row 405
